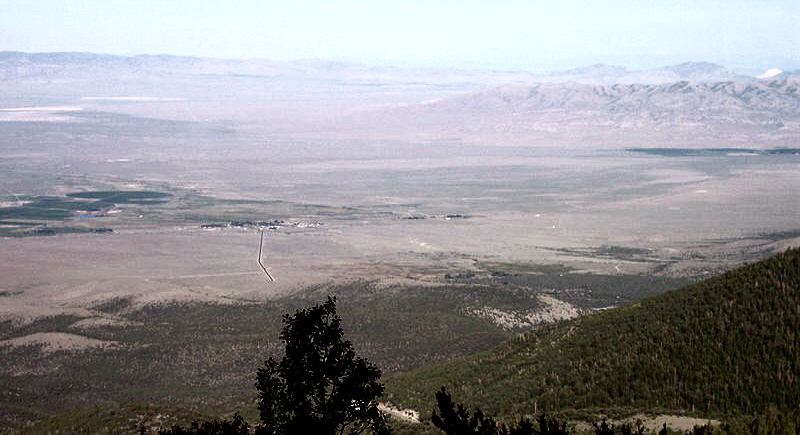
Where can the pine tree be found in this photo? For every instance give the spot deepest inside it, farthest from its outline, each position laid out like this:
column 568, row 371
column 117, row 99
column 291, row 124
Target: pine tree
column 320, row 386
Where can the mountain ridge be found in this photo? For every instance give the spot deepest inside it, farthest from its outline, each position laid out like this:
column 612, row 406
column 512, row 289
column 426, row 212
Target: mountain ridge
column 757, row 114
column 693, row 104
column 592, row 74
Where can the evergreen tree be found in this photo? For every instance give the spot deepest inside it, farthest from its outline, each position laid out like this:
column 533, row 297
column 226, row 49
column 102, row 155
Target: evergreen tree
column 456, row 419
column 234, row 426
column 320, row 386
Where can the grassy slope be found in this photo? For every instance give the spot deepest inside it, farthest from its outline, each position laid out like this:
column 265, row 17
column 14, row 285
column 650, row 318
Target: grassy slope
column 727, row 345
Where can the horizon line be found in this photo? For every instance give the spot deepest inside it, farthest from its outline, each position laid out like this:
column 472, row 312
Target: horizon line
column 398, row 65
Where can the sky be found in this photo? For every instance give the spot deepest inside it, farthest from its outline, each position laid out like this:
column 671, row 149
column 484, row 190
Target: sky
column 510, row 34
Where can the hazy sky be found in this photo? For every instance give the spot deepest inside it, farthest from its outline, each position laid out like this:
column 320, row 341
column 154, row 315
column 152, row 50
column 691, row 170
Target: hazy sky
column 460, row 33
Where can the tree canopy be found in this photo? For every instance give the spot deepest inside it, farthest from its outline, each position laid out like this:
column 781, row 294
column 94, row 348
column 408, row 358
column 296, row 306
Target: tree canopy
column 320, row 385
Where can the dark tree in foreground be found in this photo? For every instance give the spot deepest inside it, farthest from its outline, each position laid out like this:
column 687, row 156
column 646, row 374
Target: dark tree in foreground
column 604, row 427
column 234, row 426
column 455, row 419
column 320, row 386
column 547, row 426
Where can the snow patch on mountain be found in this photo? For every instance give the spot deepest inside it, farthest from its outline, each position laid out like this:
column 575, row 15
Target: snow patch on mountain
column 770, row 73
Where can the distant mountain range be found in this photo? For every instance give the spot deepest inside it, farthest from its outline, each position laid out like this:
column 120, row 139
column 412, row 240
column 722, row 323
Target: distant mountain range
column 693, row 104
column 19, row 65
column 611, row 74
column 695, row 101
column 683, row 113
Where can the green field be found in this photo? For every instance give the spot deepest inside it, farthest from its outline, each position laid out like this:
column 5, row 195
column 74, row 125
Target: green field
column 50, row 208
column 111, row 198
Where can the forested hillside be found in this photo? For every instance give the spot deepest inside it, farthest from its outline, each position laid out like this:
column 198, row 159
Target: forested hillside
column 727, row 345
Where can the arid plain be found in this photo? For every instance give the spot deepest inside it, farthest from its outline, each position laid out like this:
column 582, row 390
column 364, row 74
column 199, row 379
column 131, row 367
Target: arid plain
column 437, row 247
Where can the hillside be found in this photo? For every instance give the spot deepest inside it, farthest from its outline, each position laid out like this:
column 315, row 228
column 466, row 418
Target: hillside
column 683, row 113
column 697, row 101
column 727, row 345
